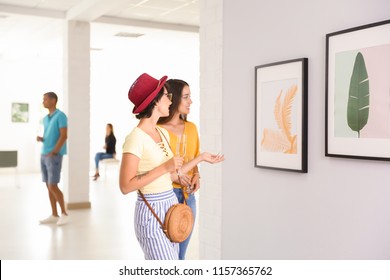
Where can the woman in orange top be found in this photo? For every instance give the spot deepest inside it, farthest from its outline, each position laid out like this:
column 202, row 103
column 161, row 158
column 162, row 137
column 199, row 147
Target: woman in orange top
column 177, row 125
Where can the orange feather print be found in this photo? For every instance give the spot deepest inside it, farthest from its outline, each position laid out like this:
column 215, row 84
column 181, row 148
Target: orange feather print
column 281, row 140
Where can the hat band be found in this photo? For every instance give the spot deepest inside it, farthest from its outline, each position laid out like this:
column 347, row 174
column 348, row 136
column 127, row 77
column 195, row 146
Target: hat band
column 158, row 83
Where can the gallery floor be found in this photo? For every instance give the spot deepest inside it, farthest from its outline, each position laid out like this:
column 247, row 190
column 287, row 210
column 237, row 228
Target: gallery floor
column 105, row 231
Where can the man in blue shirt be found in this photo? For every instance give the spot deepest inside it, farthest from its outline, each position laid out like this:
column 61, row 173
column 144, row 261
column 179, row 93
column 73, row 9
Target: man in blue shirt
column 54, row 147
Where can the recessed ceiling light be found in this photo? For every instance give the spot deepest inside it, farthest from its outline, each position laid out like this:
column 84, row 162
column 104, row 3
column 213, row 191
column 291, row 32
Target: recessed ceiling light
column 128, row 34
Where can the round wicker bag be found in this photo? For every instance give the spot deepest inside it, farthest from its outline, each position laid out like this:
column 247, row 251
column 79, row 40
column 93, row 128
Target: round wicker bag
column 178, row 222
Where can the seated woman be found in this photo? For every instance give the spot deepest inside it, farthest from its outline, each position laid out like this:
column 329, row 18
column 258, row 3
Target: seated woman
column 110, row 141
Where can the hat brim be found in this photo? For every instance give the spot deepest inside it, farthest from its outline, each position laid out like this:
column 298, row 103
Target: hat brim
column 151, row 96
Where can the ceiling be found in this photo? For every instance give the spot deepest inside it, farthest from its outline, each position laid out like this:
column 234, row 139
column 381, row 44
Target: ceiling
column 28, row 25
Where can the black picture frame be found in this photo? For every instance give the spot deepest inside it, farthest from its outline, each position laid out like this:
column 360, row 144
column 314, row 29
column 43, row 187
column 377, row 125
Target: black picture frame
column 281, row 115
column 357, row 92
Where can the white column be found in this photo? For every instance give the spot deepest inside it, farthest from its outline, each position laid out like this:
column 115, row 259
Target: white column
column 77, row 104
column 210, row 202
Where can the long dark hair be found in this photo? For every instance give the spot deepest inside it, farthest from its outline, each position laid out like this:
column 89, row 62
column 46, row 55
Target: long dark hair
column 176, row 88
column 112, row 129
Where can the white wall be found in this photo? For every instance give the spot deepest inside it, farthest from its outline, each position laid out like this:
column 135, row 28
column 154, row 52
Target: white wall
column 340, row 209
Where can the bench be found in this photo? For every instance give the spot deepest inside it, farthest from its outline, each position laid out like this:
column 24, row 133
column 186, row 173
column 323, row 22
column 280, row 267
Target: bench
column 107, row 162
column 9, row 159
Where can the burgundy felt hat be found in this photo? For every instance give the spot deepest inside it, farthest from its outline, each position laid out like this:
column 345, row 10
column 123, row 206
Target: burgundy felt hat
column 144, row 90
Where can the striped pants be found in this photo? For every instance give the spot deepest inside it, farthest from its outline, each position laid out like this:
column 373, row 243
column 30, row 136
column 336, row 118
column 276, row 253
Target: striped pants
column 153, row 241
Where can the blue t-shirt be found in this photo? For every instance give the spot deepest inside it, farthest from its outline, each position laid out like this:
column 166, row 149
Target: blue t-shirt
column 52, row 125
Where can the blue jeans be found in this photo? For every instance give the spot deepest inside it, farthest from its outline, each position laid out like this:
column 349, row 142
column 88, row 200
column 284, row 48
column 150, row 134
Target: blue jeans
column 191, row 201
column 100, row 156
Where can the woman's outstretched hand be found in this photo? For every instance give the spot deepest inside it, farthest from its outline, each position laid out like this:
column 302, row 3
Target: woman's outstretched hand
column 212, row 158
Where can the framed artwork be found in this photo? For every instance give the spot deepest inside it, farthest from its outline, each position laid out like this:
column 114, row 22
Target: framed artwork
column 357, row 105
column 19, row 112
column 281, row 115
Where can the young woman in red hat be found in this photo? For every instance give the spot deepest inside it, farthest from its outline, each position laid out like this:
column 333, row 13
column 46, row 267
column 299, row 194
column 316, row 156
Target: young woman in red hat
column 177, row 125
column 147, row 162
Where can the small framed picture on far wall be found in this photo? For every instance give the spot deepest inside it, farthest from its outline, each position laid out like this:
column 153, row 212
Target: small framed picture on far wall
column 19, row 112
